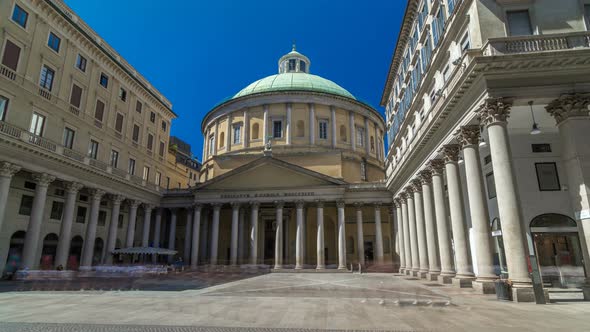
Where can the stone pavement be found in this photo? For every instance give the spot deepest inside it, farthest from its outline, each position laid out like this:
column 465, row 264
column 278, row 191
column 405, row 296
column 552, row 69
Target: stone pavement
column 291, row 301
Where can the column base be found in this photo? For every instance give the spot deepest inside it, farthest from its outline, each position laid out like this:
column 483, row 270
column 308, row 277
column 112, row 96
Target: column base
column 401, row 270
column 342, row 268
column 278, row 267
column 432, row 276
column 320, row 267
column 409, row 273
column 298, row 267
column 462, row 282
column 485, row 286
column 523, row 294
column 422, row 274
column 415, row 274
column 445, row 279
column 586, row 292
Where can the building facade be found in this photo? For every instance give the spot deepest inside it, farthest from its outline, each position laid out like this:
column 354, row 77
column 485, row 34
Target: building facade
column 292, row 177
column 83, row 143
column 487, row 118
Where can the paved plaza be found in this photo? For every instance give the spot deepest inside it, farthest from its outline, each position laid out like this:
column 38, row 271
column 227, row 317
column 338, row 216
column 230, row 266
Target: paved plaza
column 292, row 301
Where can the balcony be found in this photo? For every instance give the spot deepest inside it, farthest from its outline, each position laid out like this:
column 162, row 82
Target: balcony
column 537, row 43
column 7, row 72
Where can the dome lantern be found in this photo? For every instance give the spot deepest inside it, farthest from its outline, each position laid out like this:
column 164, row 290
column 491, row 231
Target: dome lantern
column 294, row 62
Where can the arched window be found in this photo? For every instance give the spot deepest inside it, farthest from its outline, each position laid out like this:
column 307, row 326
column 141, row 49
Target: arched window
column 343, row 133
column 553, row 220
column 372, row 144
column 221, row 140
column 300, row 128
column 255, row 129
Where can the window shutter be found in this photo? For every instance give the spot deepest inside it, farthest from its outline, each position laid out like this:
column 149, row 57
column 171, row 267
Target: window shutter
column 76, row 97
column 11, row 55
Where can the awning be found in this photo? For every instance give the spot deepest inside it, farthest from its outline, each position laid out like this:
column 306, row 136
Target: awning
column 144, row 250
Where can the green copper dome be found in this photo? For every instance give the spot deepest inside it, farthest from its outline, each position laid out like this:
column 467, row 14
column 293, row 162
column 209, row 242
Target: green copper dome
column 295, row 81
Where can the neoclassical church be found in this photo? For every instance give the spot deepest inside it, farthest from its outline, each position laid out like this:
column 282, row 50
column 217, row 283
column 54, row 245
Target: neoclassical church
column 292, row 177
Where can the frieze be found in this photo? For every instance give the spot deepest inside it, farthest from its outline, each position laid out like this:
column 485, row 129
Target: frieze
column 262, row 195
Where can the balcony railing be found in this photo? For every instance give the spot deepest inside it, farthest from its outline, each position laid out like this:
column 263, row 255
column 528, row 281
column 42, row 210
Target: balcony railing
column 45, row 93
column 73, row 155
column 42, row 142
column 74, row 110
column 7, row 72
column 10, row 130
column 98, row 164
column 537, row 43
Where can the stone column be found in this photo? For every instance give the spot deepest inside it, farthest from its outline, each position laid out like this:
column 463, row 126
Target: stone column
column 494, row 113
column 400, row 234
column 254, row 232
column 235, row 218
column 406, row 232
column 246, row 140
column 113, row 227
column 265, row 124
column 311, row 124
column 7, row 171
column 288, row 130
column 195, row 236
column 204, row 241
column 158, row 227
column 464, row 275
column 88, row 252
column 172, row 233
column 321, row 263
column 279, row 235
column 215, row 233
column 188, row 231
column 420, row 229
column 412, row 231
column 378, row 235
column 299, row 236
column 430, row 226
column 147, row 221
column 352, row 132
column 478, row 207
column 65, row 233
column 341, row 236
column 215, row 142
column 359, row 233
column 333, row 125
column 34, row 227
column 229, row 133
column 443, row 233
column 133, row 205
column 367, row 141
column 241, row 239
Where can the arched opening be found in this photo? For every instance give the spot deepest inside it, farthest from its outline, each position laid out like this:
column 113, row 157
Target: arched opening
column 49, row 251
column 343, row 133
column 255, row 131
column 15, row 252
column 221, row 140
column 75, row 252
column 372, row 144
column 98, row 251
column 558, row 250
column 300, row 129
column 330, row 244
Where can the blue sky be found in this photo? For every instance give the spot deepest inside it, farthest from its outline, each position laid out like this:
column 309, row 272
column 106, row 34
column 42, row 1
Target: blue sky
column 199, row 52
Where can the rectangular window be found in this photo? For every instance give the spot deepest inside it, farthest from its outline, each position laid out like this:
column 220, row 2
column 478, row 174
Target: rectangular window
column 446, row 73
column 491, row 185
column 323, row 127
column 135, row 135
column 3, row 107
column 519, row 23
column 46, row 80
column 53, row 42
column 30, row 185
column 164, row 126
column 93, row 149
column 465, row 43
column 102, row 218
column 69, row 135
column 81, row 215
column 11, row 55
column 81, row 63
column 277, row 129
column 119, row 122
column 360, row 136
column 114, row 158
column 547, row 176
column 587, row 16
column 292, row 64
column 26, row 204
column 104, row 80
column 123, row 94
column 138, row 106
column 211, row 144
column 487, row 159
column 146, row 173
column 131, row 169
column 83, row 198
column 153, row 117
column 20, row 16
column 302, row 67
column 541, row 148
column 162, row 147
column 99, row 110
column 150, row 142
column 158, row 178
column 237, row 134
column 76, row 96
column 37, row 124
column 57, row 210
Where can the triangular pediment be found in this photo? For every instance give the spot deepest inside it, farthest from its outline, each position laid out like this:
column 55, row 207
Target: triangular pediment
column 268, row 173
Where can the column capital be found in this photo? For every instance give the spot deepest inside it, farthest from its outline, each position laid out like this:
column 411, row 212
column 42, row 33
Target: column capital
column 73, row 187
column 133, row 203
column 451, row 153
column 116, row 199
column 255, row 204
column 198, row 206
column 43, row 179
column 417, row 184
column 319, row 204
column 495, row 110
column 340, row 204
column 397, row 202
column 436, row 166
column 377, row 205
column 216, row 206
column 299, row 204
column 279, row 204
column 409, row 192
column 403, row 197
column 96, row 194
column 235, row 205
column 425, row 177
column 569, row 105
column 468, row 135
column 8, row 170
column 358, row 205
column 149, row 206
